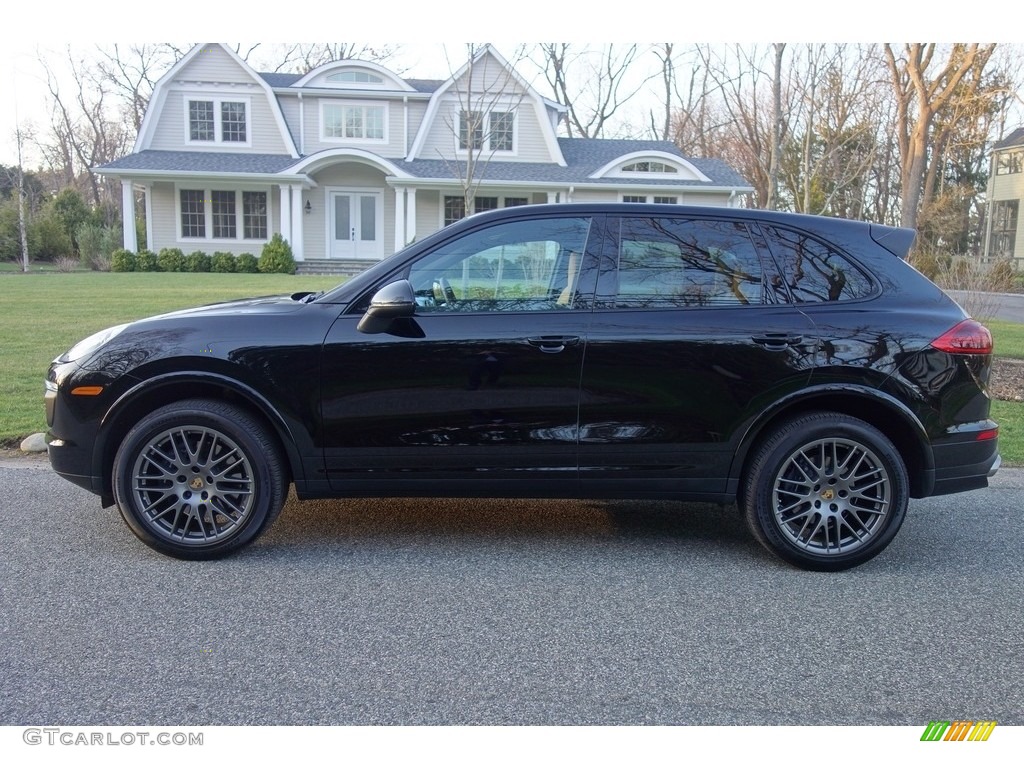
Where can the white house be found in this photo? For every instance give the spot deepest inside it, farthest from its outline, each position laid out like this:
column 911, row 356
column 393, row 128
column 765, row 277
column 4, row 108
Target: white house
column 1003, row 238
column 352, row 162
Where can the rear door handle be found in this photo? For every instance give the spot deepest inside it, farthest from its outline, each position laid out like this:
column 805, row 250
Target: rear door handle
column 778, row 340
column 552, row 344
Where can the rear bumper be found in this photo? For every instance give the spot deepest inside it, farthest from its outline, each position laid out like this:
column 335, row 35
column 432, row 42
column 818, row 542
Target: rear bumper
column 964, row 465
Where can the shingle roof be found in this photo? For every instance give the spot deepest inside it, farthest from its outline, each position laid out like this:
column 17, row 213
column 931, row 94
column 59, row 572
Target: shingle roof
column 202, row 162
column 287, row 79
column 1016, row 138
column 584, row 157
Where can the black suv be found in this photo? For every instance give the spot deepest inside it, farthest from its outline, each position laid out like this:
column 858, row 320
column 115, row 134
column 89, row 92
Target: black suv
column 794, row 365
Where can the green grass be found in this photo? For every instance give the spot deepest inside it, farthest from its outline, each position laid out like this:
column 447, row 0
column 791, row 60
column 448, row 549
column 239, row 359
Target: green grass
column 44, row 314
column 1008, row 338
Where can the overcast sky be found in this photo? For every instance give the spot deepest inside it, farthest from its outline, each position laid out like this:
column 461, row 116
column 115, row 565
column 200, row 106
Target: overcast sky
column 45, row 28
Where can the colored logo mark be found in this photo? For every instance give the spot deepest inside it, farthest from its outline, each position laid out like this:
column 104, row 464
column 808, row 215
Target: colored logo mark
column 958, row 730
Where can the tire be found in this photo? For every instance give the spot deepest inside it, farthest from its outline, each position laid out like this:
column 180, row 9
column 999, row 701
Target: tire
column 199, row 479
column 825, row 492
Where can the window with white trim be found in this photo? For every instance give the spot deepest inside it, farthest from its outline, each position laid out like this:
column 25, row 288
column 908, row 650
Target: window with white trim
column 649, row 166
column 354, row 76
column 665, row 199
column 634, row 198
column 217, row 120
column 221, row 214
column 1009, row 162
column 489, row 131
column 360, row 122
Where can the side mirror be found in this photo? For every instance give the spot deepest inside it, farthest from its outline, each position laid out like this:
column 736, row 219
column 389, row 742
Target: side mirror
column 395, row 300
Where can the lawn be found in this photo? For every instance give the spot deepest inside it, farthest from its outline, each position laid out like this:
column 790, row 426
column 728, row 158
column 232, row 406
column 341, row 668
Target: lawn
column 45, row 313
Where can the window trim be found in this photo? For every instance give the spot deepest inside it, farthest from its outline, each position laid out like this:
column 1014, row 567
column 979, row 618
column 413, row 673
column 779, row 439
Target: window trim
column 486, row 130
column 364, row 104
column 207, row 191
column 218, row 129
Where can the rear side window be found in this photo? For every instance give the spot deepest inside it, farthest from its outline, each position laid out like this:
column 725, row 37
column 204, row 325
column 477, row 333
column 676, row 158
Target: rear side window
column 672, row 262
column 813, row 271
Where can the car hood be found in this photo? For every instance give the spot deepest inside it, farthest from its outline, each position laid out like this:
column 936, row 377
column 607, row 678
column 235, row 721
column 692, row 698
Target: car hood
column 262, row 305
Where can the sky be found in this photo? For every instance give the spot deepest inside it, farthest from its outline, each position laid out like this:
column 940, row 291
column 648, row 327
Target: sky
column 44, row 30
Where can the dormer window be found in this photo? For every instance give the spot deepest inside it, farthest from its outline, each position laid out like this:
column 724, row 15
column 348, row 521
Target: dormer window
column 492, row 131
column 217, row 120
column 353, row 121
column 649, row 166
column 355, row 76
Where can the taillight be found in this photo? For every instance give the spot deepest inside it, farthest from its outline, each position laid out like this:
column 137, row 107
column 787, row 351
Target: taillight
column 968, row 337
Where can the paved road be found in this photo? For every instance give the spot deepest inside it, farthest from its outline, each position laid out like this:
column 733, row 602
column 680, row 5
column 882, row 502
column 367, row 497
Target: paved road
column 352, row 612
column 1002, row 306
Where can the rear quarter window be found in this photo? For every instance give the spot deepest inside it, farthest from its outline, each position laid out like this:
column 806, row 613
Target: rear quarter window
column 814, row 272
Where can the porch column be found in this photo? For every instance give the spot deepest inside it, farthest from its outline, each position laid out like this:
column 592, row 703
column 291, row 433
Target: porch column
column 297, row 222
column 399, row 218
column 286, row 213
column 552, row 197
column 410, row 216
column 148, row 192
column 131, row 241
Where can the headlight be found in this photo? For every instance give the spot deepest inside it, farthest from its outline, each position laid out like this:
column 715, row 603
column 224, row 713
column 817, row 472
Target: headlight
column 87, row 346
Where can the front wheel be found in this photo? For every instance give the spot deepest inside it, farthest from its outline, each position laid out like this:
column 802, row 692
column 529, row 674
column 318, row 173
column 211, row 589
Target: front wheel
column 199, row 479
column 825, row 492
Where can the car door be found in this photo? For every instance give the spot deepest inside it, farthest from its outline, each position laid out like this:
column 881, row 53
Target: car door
column 691, row 338
column 481, row 385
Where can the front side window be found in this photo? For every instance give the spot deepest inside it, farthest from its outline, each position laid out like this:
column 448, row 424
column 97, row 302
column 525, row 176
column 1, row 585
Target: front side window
column 232, row 120
column 454, row 209
column 670, row 262
column 254, row 215
column 1004, row 228
column 1010, row 162
column 813, row 271
column 634, row 198
column 511, row 267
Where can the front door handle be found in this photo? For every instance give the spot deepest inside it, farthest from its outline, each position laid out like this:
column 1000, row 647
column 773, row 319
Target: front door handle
column 552, row 344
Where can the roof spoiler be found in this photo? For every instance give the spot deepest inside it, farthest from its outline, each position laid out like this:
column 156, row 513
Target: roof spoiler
column 896, row 240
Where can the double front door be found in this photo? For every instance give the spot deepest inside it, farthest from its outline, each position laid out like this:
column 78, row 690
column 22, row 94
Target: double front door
column 355, row 224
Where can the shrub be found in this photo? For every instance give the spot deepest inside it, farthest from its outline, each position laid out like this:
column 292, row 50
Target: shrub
column 222, row 261
column 91, row 239
column 122, row 260
column 101, row 263
column 246, row 262
column 66, row 263
column 197, row 261
column 170, row 260
column 277, row 256
column 145, row 261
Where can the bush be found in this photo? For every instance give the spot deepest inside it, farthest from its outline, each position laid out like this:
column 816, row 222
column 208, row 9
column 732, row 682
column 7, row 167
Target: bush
column 277, row 256
column 101, row 263
column 222, row 261
column 66, row 263
column 197, row 261
column 145, row 261
column 246, row 262
column 170, row 260
column 122, row 260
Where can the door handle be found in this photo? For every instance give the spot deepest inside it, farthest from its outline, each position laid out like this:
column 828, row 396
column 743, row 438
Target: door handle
column 778, row 341
column 552, row 344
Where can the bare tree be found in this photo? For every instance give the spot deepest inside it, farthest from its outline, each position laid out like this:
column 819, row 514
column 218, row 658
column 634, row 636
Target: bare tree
column 132, row 71
column 920, row 95
column 592, row 85
column 305, row 57
column 481, row 119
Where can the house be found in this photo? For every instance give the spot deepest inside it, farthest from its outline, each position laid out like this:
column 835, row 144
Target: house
column 1003, row 239
column 350, row 162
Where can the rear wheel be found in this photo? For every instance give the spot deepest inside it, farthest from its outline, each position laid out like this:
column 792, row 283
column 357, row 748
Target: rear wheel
column 825, row 492
column 199, row 479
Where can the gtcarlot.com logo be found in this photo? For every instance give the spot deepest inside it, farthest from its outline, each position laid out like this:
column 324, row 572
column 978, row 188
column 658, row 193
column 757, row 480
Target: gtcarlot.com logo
column 958, row 730
column 71, row 738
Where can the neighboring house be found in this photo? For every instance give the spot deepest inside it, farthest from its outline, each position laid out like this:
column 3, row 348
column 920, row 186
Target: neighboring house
column 1003, row 238
column 352, row 162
